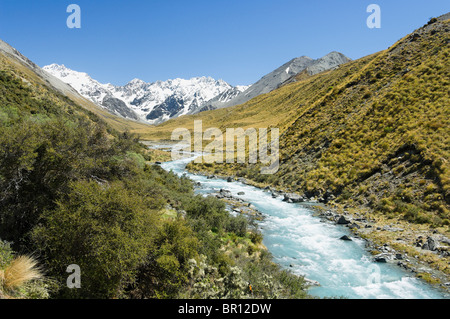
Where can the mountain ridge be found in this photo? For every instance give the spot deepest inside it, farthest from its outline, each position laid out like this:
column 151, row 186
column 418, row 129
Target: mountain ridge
column 284, row 73
column 157, row 102
column 151, row 103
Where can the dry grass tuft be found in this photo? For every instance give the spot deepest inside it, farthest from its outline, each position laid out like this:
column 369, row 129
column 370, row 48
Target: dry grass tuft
column 22, row 270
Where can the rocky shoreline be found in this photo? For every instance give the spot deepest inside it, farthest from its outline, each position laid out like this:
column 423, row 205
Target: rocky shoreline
column 239, row 206
column 362, row 227
column 403, row 252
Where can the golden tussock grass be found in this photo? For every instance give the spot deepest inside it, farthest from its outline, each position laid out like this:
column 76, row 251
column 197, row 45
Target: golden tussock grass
column 19, row 272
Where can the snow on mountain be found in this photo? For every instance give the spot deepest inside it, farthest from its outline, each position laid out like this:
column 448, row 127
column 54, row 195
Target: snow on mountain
column 160, row 101
column 163, row 100
column 220, row 99
column 81, row 82
column 150, row 102
column 91, row 89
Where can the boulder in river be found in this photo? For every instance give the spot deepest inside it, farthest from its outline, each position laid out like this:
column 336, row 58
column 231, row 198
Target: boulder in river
column 225, row 193
column 293, row 198
column 342, row 221
column 380, row 259
column 383, row 258
column 346, row 238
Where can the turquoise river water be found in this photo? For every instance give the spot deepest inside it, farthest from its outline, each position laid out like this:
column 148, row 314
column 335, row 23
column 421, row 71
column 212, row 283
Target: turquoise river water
column 309, row 247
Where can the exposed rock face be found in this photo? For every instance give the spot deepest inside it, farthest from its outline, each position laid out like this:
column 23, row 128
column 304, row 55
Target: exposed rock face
column 220, row 100
column 283, row 74
column 119, row 107
column 431, row 244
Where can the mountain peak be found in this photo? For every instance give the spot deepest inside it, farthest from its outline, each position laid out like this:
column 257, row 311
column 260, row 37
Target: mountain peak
column 286, row 73
column 55, row 66
column 335, row 54
column 152, row 102
column 327, row 62
column 137, row 82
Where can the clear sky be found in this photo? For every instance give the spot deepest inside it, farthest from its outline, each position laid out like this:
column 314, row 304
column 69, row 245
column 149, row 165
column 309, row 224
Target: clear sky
column 238, row 41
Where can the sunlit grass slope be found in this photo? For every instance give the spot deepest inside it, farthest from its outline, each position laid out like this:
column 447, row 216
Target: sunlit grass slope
column 373, row 133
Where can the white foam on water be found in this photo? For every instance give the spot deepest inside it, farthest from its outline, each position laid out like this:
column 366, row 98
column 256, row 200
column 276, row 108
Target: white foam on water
column 405, row 288
column 311, row 248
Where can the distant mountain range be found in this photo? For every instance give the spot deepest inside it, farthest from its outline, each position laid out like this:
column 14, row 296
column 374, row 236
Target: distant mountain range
column 157, row 102
column 280, row 76
column 160, row 101
column 150, row 102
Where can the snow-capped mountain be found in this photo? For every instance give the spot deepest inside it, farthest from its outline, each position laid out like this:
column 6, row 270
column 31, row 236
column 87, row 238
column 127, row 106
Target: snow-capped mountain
column 92, row 90
column 163, row 100
column 160, row 101
column 285, row 73
column 220, row 99
column 150, row 102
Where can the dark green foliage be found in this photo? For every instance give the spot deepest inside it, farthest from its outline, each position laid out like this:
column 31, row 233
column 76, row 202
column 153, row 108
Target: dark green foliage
column 74, row 191
column 39, row 160
column 165, row 269
column 238, row 225
column 105, row 229
column 6, row 254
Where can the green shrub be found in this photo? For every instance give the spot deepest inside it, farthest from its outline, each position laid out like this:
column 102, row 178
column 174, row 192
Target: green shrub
column 104, row 229
column 165, row 269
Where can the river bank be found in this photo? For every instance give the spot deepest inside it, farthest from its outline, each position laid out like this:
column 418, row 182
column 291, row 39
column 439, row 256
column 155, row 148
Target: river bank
column 413, row 248
column 306, row 236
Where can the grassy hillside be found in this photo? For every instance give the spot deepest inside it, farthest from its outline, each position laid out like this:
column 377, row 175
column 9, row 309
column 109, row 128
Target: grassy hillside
column 375, row 132
column 381, row 138
column 371, row 138
column 19, row 69
column 74, row 190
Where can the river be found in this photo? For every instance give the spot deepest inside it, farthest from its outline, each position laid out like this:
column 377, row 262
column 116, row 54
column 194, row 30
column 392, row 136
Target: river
column 310, row 247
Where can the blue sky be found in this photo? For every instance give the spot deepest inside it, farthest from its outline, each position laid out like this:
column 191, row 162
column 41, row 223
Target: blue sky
column 238, row 41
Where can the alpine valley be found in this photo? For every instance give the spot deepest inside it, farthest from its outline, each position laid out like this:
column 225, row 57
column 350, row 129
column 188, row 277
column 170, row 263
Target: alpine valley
column 160, row 101
column 359, row 206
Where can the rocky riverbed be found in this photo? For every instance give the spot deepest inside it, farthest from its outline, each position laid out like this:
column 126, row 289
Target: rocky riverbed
column 403, row 246
column 423, row 252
